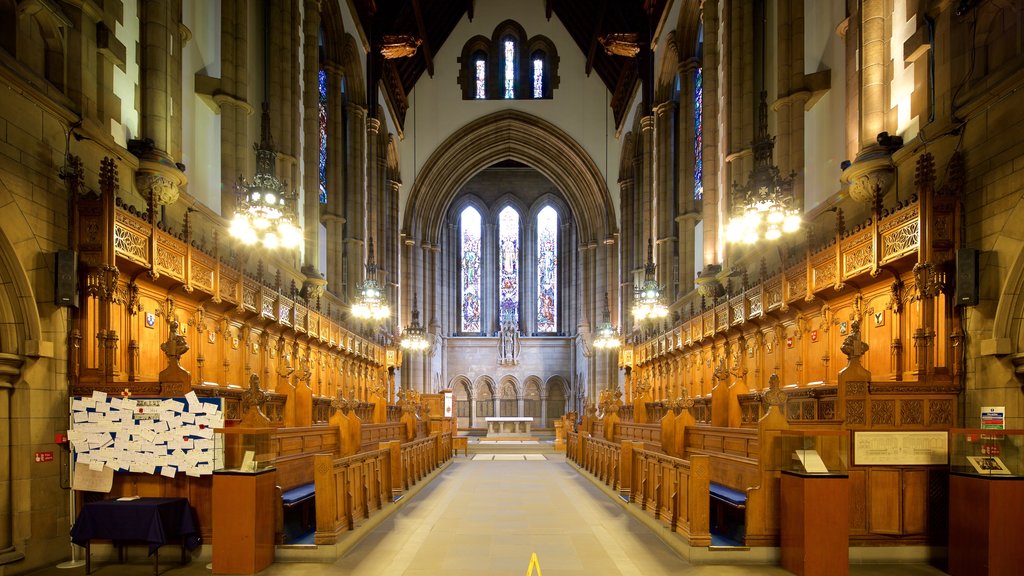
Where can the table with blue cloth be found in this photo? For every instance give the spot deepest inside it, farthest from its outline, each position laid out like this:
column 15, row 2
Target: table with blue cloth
column 154, row 521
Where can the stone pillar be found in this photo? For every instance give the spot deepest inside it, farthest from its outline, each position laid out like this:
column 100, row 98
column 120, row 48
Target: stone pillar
column 355, row 198
column 648, row 222
column 311, row 137
column 712, row 136
column 235, row 148
column 789, row 152
column 628, row 261
column 160, row 85
column 333, row 215
column 664, row 197
column 873, row 70
column 10, row 373
column 373, row 181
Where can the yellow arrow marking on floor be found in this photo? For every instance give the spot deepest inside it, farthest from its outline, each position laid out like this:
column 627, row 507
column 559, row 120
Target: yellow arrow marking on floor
column 533, row 562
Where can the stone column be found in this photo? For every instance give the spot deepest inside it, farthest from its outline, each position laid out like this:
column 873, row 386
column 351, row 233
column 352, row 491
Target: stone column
column 628, row 261
column 235, row 148
column 373, row 181
column 10, row 373
column 311, row 138
column 873, row 70
column 648, row 223
column 664, row 201
column 333, row 215
column 355, row 198
column 789, row 152
column 712, row 137
column 160, row 83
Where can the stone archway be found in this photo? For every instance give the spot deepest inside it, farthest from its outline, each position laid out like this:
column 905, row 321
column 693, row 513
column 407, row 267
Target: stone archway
column 19, row 337
column 510, row 135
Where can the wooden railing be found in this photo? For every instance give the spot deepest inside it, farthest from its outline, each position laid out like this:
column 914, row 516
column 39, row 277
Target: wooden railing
column 348, row 489
column 673, row 489
column 420, row 457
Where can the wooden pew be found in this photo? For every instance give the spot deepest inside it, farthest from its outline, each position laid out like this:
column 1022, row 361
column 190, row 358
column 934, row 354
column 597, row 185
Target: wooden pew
column 296, row 449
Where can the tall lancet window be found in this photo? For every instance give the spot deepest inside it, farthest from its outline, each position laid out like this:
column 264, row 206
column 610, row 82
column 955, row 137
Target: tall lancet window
column 480, row 73
column 547, row 270
column 470, row 231
column 508, row 271
column 698, row 134
column 509, row 53
column 538, row 78
column 323, row 136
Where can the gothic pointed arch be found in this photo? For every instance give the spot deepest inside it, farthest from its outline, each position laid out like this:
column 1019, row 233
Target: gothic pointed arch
column 21, row 330
column 510, row 135
column 351, row 61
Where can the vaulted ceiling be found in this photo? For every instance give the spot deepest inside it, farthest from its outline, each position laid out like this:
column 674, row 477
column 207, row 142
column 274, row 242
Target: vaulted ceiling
column 432, row 21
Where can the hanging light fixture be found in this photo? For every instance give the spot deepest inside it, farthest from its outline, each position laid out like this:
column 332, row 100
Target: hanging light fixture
column 607, row 336
column 372, row 303
column 763, row 208
column 647, row 304
column 265, row 209
column 414, row 339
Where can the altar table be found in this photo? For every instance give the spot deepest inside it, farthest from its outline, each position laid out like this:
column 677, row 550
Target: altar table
column 508, row 425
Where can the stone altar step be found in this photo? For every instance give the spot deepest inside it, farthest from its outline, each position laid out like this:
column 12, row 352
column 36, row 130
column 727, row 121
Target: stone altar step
column 511, row 446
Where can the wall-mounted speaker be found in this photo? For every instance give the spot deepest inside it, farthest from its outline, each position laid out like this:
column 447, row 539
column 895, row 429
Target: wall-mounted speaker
column 966, row 277
column 65, row 282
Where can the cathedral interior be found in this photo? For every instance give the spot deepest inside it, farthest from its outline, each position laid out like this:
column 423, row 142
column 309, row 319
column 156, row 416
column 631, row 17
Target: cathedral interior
column 684, row 239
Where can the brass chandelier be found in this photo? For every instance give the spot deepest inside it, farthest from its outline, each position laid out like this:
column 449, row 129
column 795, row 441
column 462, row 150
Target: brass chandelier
column 647, row 304
column 265, row 212
column 607, row 336
column 371, row 303
column 763, row 208
column 414, row 339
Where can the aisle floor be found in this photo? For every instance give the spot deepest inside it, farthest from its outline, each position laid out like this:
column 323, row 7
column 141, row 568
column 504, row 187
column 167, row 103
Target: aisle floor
column 488, row 517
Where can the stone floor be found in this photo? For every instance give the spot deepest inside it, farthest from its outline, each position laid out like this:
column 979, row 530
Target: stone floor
column 488, row 517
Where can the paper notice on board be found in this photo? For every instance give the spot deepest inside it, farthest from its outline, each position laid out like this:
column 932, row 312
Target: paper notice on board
column 93, row 480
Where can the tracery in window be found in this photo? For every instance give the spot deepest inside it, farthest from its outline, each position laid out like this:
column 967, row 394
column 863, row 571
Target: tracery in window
column 323, row 136
column 508, row 266
column 481, row 78
column 538, row 78
column 547, row 270
column 509, row 52
column 470, row 252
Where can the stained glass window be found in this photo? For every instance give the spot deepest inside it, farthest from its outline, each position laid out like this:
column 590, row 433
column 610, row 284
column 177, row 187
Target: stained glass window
column 323, row 137
column 538, row 78
column 510, row 67
column 470, row 225
column 698, row 134
column 481, row 79
column 508, row 266
column 547, row 270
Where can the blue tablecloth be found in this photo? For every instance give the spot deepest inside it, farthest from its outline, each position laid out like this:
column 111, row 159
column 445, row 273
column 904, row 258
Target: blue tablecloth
column 153, row 520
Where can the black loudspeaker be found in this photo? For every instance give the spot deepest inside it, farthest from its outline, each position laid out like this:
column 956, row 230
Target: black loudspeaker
column 65, row 282
column 966, row 277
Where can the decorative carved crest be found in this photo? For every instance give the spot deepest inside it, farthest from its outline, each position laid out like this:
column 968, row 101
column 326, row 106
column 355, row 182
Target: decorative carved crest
column 853, row 346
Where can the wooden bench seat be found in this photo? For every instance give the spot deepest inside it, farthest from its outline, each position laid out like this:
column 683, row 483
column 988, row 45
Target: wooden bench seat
column 298, row 495
column 727, row 495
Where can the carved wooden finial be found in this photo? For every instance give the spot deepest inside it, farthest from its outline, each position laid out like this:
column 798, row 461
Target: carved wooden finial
column 853, row 346
column 924, row 174
column 108, row 176
column 252, row 402
column 775, row 396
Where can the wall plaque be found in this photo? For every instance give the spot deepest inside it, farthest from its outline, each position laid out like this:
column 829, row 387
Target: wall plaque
column 901, row 448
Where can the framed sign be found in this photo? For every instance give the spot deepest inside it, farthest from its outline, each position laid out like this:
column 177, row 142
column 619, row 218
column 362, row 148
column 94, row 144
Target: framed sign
column 901, row 448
